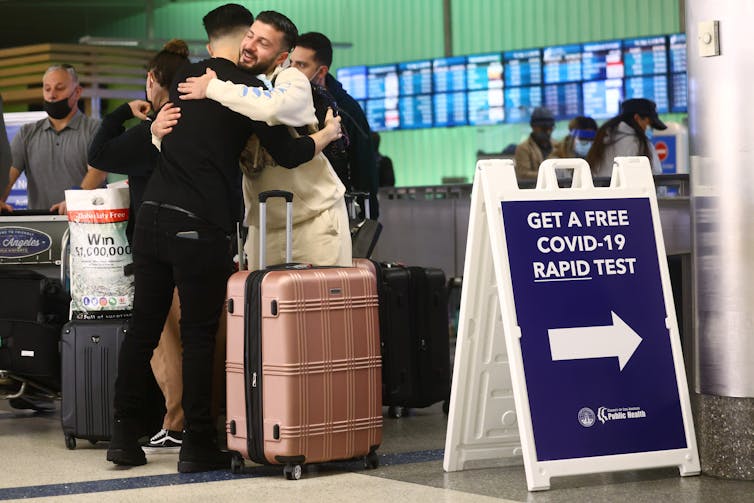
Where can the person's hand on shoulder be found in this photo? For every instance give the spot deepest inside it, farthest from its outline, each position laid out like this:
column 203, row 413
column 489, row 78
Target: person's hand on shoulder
column 165, row 120
column 140, row 108
column 195, row 88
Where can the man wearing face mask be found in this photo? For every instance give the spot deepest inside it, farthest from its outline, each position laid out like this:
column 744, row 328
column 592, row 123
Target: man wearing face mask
column 537, row 147
column 581, row 131
column 52, row 152
column 626, row 135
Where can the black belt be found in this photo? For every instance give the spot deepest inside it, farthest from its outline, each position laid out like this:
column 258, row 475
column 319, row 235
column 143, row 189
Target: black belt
column 174, row 208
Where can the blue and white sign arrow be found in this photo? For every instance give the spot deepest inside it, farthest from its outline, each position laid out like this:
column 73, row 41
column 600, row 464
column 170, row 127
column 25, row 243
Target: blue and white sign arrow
column 578, row 343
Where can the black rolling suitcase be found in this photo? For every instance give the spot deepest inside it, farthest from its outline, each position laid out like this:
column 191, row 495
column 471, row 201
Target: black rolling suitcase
column 414, row 336
column 90, row 361
column 364, row 232
column 33, row 310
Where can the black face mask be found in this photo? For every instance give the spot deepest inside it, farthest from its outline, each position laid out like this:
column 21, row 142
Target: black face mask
column 58, row 109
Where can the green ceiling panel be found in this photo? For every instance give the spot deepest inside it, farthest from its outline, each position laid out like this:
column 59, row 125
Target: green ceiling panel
column 385, row 31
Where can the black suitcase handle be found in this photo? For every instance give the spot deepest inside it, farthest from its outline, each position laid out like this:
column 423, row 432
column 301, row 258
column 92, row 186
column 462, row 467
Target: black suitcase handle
column 267, row 194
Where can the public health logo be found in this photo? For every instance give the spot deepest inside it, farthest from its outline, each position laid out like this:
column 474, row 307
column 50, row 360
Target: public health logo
column 605, row 414
column 587, row 417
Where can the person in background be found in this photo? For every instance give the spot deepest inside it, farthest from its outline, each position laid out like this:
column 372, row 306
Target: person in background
column 626, row 135
column 384, row 163
column 578, row 141
column 313, row 56
column 52, row 151
column 5, row 157
column 131, row 153
column 537, row 147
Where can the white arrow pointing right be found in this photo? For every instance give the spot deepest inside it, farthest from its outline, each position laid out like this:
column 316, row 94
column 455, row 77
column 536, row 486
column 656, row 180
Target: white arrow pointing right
column 578, row 343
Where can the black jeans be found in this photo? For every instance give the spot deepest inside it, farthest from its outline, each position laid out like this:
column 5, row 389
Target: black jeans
column 171, row 249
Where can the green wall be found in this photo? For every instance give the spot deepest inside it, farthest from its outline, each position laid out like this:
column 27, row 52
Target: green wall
column 385, row 31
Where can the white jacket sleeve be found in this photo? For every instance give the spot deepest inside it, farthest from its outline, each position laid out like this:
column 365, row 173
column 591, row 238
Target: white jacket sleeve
column 289, row 102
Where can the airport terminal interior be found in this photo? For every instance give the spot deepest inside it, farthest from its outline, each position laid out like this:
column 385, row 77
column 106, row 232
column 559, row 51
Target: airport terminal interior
column 542, row 409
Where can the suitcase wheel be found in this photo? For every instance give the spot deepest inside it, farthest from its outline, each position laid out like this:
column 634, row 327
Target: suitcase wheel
column 292, row 472
column 396, row 411
column 371, row 461
column 70, row 442
column 236, row 464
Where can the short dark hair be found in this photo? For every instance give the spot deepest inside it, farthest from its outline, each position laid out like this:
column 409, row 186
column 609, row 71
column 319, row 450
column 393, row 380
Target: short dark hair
column 226, row 19
column 281, row 23
column 318, row 43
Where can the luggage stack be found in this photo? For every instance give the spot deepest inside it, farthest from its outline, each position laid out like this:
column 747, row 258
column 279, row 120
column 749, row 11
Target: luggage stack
column 303, row 362
column 414, row 336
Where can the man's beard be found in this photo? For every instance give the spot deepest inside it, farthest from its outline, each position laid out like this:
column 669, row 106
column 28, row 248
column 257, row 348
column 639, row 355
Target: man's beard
column 257, row 68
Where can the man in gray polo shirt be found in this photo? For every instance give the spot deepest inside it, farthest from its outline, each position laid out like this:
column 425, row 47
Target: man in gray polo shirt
column 52, row 152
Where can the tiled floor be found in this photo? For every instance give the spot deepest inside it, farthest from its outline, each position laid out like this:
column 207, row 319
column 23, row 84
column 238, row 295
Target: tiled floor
column 34, row 463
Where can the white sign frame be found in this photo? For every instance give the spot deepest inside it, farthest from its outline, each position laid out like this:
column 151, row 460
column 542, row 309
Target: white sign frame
column 477, row 431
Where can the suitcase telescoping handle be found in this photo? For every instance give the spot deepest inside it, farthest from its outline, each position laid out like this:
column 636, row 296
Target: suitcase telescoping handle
column 263, row 197
column 357, row 197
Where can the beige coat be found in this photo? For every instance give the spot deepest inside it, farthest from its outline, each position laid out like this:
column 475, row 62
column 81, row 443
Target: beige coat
column 528, row 157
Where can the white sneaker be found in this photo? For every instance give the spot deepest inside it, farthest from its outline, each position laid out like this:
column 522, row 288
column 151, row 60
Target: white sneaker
column 165, row 441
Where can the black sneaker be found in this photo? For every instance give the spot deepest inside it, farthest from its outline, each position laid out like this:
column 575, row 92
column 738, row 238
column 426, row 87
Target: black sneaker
column 165, row 441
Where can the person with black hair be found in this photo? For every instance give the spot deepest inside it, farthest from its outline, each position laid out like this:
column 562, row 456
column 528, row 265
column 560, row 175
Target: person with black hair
column 130, row 152
column 313, row 55
column 625, row 135
column 183, row 239
column 384, row 163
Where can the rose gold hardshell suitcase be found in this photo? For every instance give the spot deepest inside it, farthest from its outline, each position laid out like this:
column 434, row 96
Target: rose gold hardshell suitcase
column 303, row 363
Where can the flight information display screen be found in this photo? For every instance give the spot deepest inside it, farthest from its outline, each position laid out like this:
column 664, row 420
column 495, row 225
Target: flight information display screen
column 415, row 111
column 602, row 60
column 450, row 109
column 382, row 114
column 653, row 87
column 449, row 74
column 645, row 56
column 602, row 98
column 679, row 93
column 484, row 71
column 562, row 64
column 354, row 80
column 521, row 101
column 486, row 107
column 523, row 68
column 382, row 81
column 563, row 100
column 415, row 77
column 677, row 51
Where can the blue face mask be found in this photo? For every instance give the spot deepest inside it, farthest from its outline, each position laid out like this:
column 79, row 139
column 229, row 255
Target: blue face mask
column 649, row 132
column 581, row 147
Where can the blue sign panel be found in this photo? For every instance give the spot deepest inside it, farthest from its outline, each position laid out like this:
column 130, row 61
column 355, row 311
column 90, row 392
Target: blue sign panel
column 450, row 109
column 589, row 301
column 645, row 56
column 20, row 242
column 602, row 61
column 415, row 77
column 523, row 68
column 665, row 146
column 653, row 87
column 678, row 53
column 354, row 80
column 415, row 111
column 562, row 64
column 449, row 74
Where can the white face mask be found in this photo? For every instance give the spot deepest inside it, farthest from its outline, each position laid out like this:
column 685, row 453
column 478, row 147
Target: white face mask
column 581, row 147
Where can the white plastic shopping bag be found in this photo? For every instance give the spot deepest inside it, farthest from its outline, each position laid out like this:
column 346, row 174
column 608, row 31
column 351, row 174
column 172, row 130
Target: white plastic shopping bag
column 99, row 251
